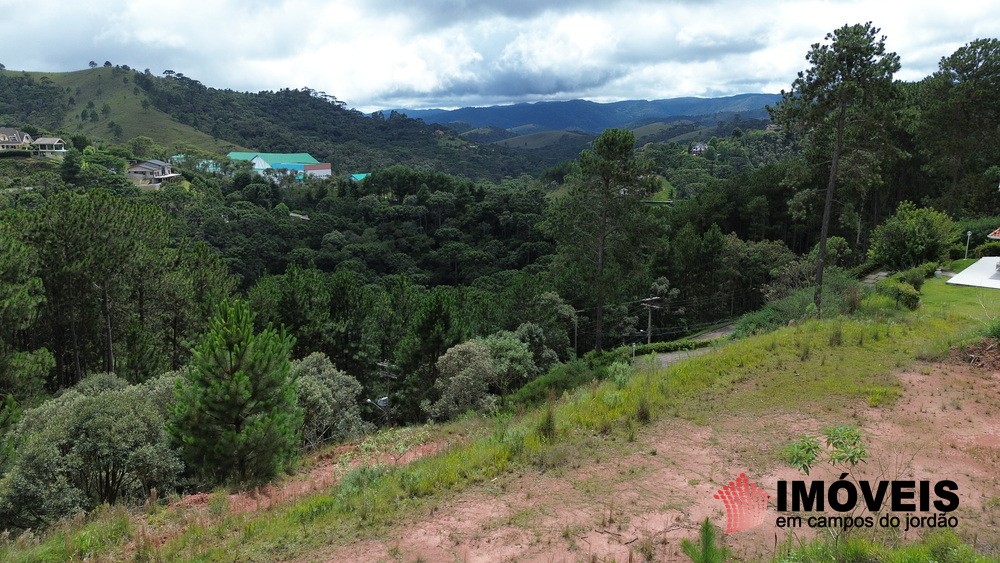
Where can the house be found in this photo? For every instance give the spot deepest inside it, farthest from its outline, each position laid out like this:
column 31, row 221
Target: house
column 13, row 140
column 151, row 173
column 300, row 164
column 52, row 147
column 358, row 177
column 699, row 148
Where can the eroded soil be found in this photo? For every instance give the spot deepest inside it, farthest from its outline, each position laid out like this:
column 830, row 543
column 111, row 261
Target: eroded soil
column 614, row 500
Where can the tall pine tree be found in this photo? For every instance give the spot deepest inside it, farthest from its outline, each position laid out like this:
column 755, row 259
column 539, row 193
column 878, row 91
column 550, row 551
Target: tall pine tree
column 235, row 413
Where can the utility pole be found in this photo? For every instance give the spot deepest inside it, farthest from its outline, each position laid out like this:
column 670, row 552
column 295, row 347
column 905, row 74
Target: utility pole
column 648, row 304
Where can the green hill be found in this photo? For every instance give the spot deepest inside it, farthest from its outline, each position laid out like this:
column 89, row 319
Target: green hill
column 116, row 103
column 93, row 102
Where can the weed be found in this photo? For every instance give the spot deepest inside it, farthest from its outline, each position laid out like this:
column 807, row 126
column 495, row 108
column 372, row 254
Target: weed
column 805, row 351
column 547, row 426
column 837, row 334
column 218, row 504
column 646, row 549
column 642, row 412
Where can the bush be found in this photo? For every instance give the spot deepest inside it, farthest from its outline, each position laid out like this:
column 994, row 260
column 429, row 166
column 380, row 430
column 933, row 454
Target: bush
column 534, row 337
column 79, row 450
column 328, row 398
column 912, row 236
column 916, row 276
column 604, row 358
column 903, row 293
column 987, row 249
column 839, row 295
column 956, row 251
column 562, row 377
column 465, row 373
column 980, row 227
column 473, row 374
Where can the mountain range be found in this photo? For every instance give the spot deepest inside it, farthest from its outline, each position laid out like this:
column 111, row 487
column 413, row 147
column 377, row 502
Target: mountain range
column 593, row 117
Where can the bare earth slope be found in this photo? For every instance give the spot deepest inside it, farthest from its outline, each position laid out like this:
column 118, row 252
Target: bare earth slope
column 621, row 501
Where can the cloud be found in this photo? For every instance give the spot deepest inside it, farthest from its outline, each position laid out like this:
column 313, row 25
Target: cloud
column 384, row 53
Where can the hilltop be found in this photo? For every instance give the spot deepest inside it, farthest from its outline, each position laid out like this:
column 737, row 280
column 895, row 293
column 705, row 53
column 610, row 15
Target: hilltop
column 102, row 103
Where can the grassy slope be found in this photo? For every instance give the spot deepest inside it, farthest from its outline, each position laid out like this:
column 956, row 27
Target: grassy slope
column 826, row 366
column 101, row 87
column 538, row 140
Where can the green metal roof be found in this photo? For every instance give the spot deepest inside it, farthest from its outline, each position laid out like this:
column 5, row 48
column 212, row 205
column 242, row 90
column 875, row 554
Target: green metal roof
column 273, row 158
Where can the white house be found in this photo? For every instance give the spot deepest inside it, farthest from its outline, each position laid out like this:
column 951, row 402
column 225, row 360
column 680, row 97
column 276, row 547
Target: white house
column 52, row 147
column 151, row 173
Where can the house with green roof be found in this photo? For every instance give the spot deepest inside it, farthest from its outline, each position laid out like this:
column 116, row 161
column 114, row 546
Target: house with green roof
column 301, row 164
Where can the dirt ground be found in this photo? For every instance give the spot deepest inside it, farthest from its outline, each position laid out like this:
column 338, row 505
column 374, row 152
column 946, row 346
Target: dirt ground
column 617, row 501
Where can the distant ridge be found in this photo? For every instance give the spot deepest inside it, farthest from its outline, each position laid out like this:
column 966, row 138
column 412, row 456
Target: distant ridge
column 593, row 117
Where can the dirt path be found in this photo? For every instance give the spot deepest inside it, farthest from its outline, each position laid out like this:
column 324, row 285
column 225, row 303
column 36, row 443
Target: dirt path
column 613, row 500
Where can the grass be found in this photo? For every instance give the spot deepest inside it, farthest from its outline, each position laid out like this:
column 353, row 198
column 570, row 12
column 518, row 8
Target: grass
column 764, row 373
column 942, row 547
column 539, row 140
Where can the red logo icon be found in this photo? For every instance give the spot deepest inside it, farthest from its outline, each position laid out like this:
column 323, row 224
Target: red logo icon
column 746, row 504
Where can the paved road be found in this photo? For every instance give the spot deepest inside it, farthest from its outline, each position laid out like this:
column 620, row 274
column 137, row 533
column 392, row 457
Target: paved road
column 670, row 358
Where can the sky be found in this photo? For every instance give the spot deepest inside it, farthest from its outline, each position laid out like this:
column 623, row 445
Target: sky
column 382, row 54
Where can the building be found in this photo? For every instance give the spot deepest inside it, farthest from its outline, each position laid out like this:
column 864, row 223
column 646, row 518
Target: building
column 301, row 164
column 151, row 173
column 13, row 140
column 52, row 147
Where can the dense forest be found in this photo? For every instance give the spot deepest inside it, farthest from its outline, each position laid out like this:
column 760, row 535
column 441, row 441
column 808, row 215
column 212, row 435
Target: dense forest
column 137, row 326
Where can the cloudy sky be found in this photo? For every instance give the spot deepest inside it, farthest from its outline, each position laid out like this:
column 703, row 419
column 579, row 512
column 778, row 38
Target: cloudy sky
column 377, row 54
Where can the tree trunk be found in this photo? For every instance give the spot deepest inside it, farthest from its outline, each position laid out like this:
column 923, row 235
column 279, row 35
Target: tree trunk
column 109, row 358
column 77, row 368
column 828, row 207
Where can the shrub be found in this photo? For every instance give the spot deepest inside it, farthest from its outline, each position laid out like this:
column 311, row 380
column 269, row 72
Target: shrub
column 956, row 251
column 465, row 373
column 79, row 450
column 674, row 346
column 328, row 398
column 912, row 236
column 473, row 374
column 903, row 293
column 915, row 276
column 534, row 337
column 987, row 249
column 562, row 377
column 838, row 297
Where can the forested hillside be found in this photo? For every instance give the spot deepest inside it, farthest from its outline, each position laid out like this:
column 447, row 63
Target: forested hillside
column 208, row 333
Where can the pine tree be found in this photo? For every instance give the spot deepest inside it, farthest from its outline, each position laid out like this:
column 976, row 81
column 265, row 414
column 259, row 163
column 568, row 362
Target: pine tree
column 235, row 413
